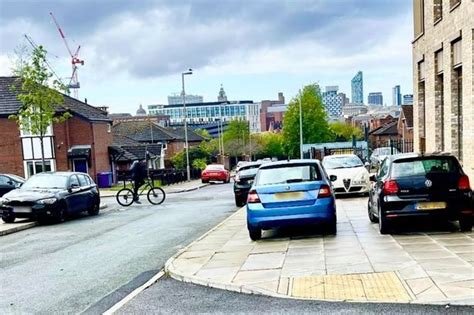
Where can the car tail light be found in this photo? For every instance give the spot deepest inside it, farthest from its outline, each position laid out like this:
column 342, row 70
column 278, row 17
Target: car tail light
column 253, row 197
column 463, row 183
column 390, row 187
column 324, row 191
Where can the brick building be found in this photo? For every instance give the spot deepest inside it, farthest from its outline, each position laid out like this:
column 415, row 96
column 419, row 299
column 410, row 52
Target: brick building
column 148, row 132
column 405, row 123
column 271, row 113
column 443, row 53
column 79, row 144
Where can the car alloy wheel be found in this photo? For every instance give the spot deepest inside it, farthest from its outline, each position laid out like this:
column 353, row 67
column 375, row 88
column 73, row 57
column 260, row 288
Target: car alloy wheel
column 8, row 218
column 95, row 208
column 372, row 217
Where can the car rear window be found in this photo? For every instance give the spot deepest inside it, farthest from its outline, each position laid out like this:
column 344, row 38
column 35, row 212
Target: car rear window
column 419, row 167
column 283, row 174
column 249, row 172
column 215, row 167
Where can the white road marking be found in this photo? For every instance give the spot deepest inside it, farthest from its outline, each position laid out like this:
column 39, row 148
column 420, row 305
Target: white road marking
column 134, row 293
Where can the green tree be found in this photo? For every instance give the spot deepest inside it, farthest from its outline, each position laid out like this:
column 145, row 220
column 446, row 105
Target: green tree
column 236, row 138
column 38, row 96
column 344, row 132
column 271, row 145
column 203, row 133
column 315, row 125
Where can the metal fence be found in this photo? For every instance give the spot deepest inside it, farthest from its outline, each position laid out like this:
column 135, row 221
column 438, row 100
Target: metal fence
column 397, row 146
column 167, row 176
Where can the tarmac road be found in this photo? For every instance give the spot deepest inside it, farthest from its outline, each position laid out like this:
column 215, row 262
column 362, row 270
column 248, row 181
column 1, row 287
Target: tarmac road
column 88, row 264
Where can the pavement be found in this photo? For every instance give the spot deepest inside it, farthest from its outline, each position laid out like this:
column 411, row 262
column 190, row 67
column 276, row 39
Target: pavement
column 431, row 266
column 168, row 296
column 20, row 225
column 88, row 264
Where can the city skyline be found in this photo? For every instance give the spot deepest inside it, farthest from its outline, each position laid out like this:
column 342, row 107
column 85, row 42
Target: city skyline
column 136, row 55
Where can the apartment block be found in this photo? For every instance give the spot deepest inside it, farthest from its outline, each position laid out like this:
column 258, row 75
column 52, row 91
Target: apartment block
column 443, row 98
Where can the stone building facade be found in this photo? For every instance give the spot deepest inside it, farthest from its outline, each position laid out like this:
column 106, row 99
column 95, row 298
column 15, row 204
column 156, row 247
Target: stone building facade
column 443, row 69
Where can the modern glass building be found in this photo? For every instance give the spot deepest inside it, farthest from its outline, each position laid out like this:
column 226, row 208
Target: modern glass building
column 357, row 85
column 408, row 99
column 396, row 96
column 333, row 101
column 207, row 112
column 375, row 98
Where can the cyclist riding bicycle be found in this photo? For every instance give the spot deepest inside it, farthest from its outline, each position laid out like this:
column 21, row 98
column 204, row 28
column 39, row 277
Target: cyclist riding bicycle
column 139, row 173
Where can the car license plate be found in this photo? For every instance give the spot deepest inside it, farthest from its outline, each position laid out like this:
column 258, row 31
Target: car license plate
column 430, row 205
column 22, row 209
column 298, row 195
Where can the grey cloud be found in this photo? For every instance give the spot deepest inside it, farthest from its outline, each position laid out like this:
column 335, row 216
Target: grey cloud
column 196, row 32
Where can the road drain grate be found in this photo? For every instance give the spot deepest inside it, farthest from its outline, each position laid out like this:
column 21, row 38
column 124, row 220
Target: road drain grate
column 383, row 286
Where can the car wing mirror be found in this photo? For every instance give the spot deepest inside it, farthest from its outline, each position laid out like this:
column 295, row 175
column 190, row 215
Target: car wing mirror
column 332, row 178
column 372, row 178
column 10, row 183
column 73, row 187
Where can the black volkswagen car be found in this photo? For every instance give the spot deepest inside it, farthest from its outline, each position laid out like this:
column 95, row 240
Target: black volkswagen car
column 414, row 185
column 243, row 181
column 9, row 182
column 51, row 196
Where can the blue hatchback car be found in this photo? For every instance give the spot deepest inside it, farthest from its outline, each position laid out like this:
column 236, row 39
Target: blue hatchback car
column 290, row 193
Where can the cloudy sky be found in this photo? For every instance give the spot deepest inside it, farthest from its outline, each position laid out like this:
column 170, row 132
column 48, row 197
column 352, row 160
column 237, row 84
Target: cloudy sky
column 135, row 51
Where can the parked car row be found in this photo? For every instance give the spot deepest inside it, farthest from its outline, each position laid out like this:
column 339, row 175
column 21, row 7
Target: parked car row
column 302, row 192
column 51, row 196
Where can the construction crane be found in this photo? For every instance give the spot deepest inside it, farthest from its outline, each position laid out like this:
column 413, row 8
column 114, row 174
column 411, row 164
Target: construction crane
column 74, row 84
column 33, row 44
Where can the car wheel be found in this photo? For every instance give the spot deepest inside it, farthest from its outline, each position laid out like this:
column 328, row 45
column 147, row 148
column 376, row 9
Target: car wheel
column 372, row 217
column 8, row 218
column 60, row 215
column 255, row 233
column 331, row 227
column 95, row 208
column 465, row 223
column 204, row 181
column 239, row 202
column 384, row 226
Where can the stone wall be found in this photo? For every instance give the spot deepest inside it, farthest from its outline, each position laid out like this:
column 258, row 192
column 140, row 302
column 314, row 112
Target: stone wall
column 457, row 121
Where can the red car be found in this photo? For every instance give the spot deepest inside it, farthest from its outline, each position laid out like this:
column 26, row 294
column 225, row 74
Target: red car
column 215, row 172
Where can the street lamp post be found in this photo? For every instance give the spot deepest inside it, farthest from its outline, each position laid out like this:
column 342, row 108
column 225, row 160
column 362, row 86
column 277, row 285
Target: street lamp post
column 301, row 128
column 188, row 171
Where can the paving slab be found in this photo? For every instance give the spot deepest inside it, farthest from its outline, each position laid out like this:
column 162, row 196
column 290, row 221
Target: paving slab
column 357, row 264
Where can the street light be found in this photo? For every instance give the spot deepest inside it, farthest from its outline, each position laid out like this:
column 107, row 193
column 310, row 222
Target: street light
column 188, row 172
column 301, row 128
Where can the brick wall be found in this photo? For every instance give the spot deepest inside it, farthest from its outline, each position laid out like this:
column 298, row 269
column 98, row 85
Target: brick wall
column 11, row 157
column 102, row 140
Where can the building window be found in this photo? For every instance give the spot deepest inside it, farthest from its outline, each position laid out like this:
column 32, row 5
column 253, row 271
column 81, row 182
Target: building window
column 437, row 10
column 36, row 166
column 421, row 71
column 457, row 53
column 454, row 3
column 421, row 107
column 419, row 18
column 456, row 100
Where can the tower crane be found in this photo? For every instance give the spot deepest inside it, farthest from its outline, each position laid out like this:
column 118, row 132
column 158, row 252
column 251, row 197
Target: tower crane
column 33, row 44
column 74, row 84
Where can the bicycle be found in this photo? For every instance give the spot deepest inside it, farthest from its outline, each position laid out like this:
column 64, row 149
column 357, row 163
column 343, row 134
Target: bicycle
column 155, row 195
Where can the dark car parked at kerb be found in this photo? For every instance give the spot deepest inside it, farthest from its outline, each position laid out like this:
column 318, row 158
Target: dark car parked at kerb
column 414, row 185
column 9, row 182
column 243, row 181
column 51, row 196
